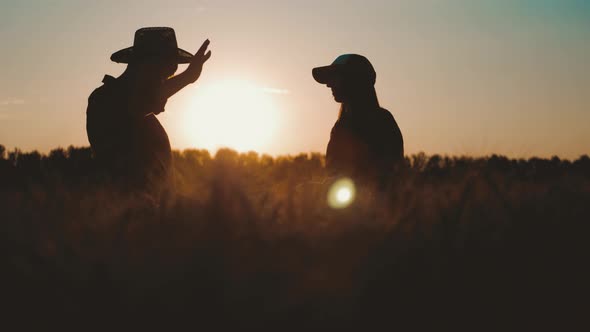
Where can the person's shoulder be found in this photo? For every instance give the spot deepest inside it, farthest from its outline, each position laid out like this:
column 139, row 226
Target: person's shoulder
column 102, row 91
column 385, row 115
column 387, row 119
column 104, row 97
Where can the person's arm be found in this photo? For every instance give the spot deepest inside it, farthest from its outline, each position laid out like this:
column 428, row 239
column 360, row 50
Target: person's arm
column 190, row 75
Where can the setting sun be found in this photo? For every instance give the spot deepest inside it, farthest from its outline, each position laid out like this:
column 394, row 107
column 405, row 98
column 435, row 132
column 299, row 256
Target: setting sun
column 232, row 113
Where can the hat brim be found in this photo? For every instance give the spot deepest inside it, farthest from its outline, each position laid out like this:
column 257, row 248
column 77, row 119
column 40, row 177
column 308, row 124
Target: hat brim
column 126, row 55
column 326, row 74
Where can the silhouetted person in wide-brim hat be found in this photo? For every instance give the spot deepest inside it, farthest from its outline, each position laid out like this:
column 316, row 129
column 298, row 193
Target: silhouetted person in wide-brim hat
column 365, row 142
column 127, row 139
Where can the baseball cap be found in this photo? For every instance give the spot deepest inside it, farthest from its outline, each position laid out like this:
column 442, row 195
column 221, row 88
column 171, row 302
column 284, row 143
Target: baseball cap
column 351, row 66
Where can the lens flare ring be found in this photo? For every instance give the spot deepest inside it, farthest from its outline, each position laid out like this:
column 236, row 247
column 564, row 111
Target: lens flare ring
column 341, row 193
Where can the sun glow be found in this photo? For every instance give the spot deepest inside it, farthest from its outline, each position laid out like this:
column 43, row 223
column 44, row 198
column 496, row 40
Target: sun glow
column 232, row 113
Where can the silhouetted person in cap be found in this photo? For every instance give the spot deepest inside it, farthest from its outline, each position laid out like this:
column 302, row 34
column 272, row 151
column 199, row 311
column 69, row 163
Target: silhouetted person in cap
column 127, row 139
column 365, row 142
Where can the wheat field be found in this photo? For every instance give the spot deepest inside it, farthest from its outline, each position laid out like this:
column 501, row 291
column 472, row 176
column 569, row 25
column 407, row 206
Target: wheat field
column 248, row 241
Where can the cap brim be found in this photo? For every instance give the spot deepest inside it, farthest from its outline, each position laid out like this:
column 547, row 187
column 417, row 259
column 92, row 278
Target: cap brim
column 324, row 75
column 126, row 55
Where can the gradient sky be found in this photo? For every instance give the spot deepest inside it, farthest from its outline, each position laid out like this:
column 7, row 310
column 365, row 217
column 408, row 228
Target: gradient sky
column 460, row 76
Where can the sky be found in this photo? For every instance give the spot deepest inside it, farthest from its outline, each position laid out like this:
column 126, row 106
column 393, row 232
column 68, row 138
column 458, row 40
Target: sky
column 461, row 77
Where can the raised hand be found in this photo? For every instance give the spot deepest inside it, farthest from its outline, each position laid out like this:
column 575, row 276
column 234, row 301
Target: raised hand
column 190, row 75
column 196, row 66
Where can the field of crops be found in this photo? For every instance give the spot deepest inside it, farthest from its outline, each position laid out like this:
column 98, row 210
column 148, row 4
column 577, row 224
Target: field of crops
column 244, row 241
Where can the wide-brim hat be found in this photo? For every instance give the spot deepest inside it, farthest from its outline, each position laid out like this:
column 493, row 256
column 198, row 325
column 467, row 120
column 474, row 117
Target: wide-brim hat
column 153, row 42
column 346, row 66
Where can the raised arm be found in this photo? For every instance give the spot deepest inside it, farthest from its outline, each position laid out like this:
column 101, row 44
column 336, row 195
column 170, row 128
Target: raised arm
column 190, row 75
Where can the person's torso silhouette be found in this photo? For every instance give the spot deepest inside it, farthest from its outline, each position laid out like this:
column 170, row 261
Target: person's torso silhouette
column 126, row 137
column 366, row 144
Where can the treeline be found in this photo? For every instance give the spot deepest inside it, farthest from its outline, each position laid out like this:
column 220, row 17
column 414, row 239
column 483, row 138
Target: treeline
column 77, row 161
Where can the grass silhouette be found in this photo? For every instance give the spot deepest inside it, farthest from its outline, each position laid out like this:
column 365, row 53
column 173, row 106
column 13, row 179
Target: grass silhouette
column 244, row 242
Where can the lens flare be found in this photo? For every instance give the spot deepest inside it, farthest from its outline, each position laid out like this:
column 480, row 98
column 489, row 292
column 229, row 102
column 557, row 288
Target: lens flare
column 341, row 193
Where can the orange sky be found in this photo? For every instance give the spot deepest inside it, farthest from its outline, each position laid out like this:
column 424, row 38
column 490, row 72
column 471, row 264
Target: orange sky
column 460, row 77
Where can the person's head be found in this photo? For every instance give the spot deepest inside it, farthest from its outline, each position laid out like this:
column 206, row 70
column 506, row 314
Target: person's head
column 154, row 55
column 351, row 78
column 153, row 69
